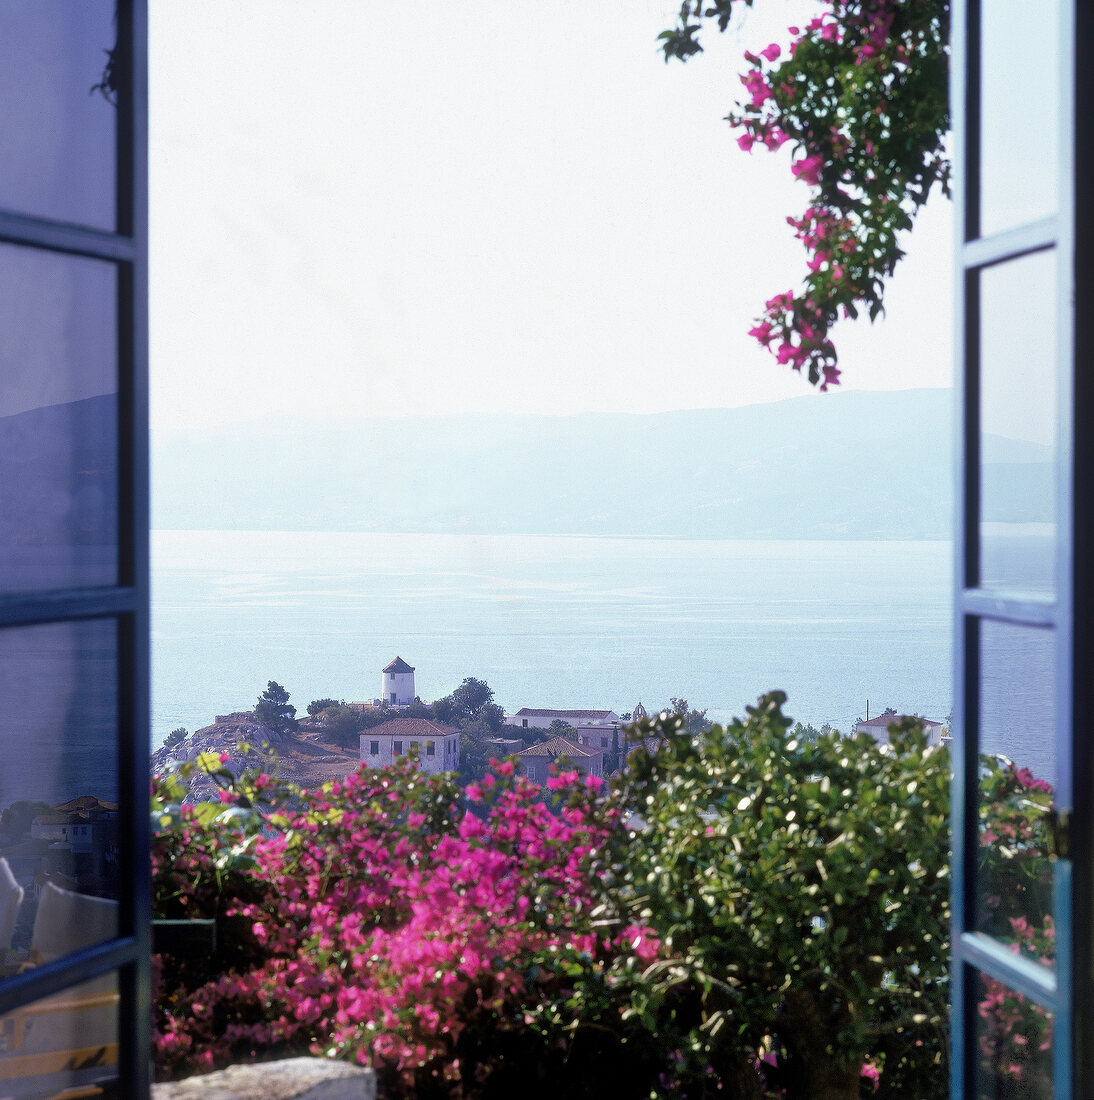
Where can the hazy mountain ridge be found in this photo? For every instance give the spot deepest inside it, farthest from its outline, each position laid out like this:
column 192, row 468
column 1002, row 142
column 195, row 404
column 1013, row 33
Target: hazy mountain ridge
column 852, row 465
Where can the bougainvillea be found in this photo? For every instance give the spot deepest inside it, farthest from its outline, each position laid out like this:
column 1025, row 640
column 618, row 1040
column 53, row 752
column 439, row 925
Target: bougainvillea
column 740, row 914
column 393, row 918
column 1015, row 905
column 861, row 95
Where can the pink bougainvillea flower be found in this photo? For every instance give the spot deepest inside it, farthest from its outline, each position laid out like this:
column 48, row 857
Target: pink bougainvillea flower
column 771, row 52
column 808, row 169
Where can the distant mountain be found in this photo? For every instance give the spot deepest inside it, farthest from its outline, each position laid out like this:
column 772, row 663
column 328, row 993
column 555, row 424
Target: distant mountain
column 59, row 493
column 851, row 465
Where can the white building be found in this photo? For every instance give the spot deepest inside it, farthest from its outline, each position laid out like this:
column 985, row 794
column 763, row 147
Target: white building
column 878, row 728
column 397, row 683
column 438, row 746
column 530, row 718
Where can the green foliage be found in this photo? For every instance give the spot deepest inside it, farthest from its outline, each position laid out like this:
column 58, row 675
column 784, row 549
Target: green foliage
column 175, row 737
column 559, row 728
column 342, row 725
column 807, row 734
column 316, row 705
column 274, row 710
column 773, row 922
column 470, row 698
column 694, row 721
column 17, row 819
column 801, row 893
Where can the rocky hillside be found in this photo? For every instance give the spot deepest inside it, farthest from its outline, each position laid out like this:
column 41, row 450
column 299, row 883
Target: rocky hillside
column 301, row 757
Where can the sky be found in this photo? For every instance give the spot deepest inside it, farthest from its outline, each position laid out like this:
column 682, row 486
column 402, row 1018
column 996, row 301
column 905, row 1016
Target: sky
column 359, row 209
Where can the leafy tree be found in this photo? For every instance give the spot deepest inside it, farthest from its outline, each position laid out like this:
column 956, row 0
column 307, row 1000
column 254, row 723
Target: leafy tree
column 316, row 705
column 274, row 710
column 472, row 701
column 862, row 95
column 471, row 696
column 17, row 819
column 175, row 737
column 559, row 728
column 804, row 890
column 694, row 721
column 806, row 735
column 444, row 710
column 475, row 751
column 342, row 725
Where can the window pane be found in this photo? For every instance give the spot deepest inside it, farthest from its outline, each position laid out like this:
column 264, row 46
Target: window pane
column 41, row 1043
column 1014, row 1044
column 59, row 786
column 58, row 420
column 1020, row 93
column 1018, row 423
column 57, row 134
column 1017, row 712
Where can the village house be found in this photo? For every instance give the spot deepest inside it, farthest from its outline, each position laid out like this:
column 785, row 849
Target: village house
column 878, row 728
column 438, row 745
column 532, row 718
column 536, row 760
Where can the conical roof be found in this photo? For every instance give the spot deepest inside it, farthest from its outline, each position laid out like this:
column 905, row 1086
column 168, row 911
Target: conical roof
column 398, row 665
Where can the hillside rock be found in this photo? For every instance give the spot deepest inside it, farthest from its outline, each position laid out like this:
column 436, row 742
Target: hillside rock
column 300, row 757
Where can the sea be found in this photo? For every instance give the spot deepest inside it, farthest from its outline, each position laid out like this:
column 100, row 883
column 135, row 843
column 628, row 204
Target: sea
column 845, row 628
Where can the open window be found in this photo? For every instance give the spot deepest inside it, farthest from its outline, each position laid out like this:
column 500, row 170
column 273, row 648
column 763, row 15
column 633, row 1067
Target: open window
column 1023, row 607
column 74, row 980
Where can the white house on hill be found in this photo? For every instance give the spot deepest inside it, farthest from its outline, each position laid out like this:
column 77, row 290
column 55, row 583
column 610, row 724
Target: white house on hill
column 878, row 728
column 397, row 683
column 531, row 718
column 438, row 746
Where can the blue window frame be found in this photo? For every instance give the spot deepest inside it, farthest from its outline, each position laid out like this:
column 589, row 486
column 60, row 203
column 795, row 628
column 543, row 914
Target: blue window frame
column 74, row 539
column 1024, row 601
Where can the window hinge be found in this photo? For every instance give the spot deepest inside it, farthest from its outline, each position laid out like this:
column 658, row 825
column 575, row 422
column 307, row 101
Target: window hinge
column 1059, row 833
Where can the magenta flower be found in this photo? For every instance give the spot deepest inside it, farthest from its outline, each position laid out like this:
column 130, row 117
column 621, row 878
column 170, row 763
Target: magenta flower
column 772, row 52
column 808, row 169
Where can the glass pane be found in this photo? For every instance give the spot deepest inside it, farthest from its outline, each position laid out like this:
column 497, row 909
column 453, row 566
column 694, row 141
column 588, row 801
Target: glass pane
column 59, row 842
column 1018, row 148
column 1018, row 423
column 1018, row 776
column 65, row 1044
column 58, row 130
column 1014, row 1044
column 58, row 420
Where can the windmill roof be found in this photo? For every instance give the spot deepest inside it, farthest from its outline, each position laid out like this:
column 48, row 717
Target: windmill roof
column 398, row 665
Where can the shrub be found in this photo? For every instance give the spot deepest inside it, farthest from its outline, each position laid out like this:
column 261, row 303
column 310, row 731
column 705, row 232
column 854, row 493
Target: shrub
column 746, row 914
column 801, row 892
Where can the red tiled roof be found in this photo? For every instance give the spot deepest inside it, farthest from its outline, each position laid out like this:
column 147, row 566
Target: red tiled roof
column 531, row 712
column 410, row 727
column 398, row 665
column 559, row 746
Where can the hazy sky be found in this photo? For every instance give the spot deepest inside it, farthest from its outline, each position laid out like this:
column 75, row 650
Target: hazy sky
column 363, row 209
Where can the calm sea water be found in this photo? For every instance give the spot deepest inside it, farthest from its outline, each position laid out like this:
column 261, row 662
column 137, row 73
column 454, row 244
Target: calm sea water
column 550, row 621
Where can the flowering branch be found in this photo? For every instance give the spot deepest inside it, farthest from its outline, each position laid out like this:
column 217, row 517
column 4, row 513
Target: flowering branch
column 861, row 94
